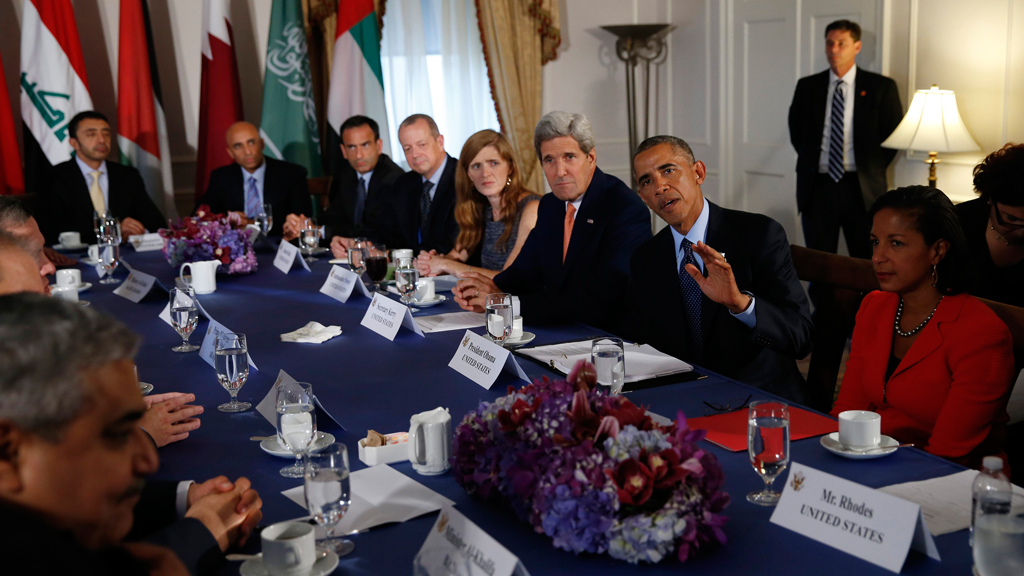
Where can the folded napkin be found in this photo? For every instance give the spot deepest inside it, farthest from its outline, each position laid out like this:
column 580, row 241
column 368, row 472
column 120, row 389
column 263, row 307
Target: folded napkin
column 312, row 333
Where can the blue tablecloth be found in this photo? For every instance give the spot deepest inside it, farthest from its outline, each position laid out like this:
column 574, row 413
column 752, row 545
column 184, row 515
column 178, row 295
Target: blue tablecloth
column 367, row 382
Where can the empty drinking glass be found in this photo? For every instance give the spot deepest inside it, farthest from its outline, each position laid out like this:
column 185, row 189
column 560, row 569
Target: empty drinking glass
column 768, row 446
column 184, row 317
column 406, row 279
column 609, row 359
column 296, row 423
column 231, row 358
column 109, row 257
column 328, row 493
column 499, row 316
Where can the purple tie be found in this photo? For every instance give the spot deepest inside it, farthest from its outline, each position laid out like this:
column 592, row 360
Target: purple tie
column 252, row 199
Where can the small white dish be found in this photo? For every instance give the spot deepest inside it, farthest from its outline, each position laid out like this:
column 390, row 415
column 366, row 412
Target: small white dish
column 78, row 246
column 82, row 287
column 437, row 299
column 325, row 565
column 831, row 443
column 526, row 338
column 273, row 445
column 145, row 388
column 89, row 261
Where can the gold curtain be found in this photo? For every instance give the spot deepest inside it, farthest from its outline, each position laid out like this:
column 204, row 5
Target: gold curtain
column 519, row 37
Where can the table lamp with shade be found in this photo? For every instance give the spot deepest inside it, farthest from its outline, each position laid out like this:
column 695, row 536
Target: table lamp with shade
column 932, row 123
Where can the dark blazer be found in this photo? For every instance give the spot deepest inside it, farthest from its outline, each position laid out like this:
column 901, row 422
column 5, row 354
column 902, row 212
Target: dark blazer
column 591, row 285
column 876, row 113
column 284, row 188
column 156, row 522
column 341, row 212
column 63, row 203
column 395, row 218
column 756, row 247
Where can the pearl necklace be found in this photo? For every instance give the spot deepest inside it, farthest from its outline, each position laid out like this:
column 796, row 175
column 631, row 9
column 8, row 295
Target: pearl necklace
column 998, row 235
column 899, row 316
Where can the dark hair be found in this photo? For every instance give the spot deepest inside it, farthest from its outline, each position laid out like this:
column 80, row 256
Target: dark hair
column 13, row 212
column 845, row 26
column 416, row 118
column 84, row 115
column 999, row 176
column 677, row 144
column 357, row 121
column 934, row 217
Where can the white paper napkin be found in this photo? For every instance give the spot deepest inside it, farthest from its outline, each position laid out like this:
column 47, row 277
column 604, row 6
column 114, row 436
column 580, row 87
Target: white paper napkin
column 312, row 333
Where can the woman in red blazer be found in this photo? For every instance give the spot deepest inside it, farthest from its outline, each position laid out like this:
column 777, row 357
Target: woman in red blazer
column 934, row 362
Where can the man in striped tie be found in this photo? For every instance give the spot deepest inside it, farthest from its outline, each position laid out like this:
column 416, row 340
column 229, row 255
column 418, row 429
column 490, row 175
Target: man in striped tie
column 837, row 122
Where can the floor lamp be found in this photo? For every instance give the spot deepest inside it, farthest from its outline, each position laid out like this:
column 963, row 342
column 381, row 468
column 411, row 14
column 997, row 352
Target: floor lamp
column 932, row 123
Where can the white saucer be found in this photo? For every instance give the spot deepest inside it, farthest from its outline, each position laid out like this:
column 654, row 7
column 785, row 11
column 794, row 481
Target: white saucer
column 831, row 443
column 526, row 338
column 78, row 246
column 319, row 250
column 145, row 387
column 437, row 299
column 325, row 565
column 82, row 287
column 273, row 446
column 89, row 261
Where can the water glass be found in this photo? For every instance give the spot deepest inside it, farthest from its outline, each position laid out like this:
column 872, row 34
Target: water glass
column 768, row 446
column 499, row 316
column 406, row 279
column 609, row 359
column 296, row 423
column 377, row 265
column 328, row 493
column 998, row 544
column 265, row 219
column 184, row 317
column 109, row 257
column 231, row 358
column 109, row 226
column 310, row 238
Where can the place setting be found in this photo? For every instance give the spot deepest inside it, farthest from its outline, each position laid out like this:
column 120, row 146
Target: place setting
column 859, row 437
column 71, row 278
column 70, row 242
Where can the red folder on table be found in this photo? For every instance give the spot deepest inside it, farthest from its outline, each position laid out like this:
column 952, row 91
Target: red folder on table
column 729, row 430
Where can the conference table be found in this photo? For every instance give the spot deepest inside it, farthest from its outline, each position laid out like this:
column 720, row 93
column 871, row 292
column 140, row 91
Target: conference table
column 367, row 382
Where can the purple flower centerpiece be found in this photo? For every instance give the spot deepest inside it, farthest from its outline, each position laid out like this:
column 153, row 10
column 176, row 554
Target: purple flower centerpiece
column 592, row 471
column 208, row 236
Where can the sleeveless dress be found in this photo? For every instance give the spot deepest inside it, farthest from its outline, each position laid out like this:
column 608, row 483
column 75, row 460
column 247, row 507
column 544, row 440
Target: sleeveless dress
column 492, row 256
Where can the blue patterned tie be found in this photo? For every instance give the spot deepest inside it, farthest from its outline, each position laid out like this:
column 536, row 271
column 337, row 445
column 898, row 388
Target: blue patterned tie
column 252, row 199
column 360, row 200
column 691, row 301
column 425, row 206
column 835, row 144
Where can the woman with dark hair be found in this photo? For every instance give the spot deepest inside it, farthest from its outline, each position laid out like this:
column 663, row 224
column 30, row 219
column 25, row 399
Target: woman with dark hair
column 934, row 362
column 494, row 211
column 994, row 227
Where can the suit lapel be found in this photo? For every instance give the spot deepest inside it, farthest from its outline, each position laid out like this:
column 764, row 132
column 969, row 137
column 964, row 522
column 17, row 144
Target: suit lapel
column 716, row 238
column 587, row 222
column 238, row 184
column 859, row 96
column 667, row 275
column 818, row 102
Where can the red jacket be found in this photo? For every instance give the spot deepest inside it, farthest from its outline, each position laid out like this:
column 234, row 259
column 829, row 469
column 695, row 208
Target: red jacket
column 948, row 395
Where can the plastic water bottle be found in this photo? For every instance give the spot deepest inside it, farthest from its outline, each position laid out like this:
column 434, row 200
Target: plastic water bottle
column 992, row 491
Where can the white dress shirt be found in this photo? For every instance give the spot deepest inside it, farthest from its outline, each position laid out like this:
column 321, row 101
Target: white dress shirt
column 435, row 178
column 849, row 162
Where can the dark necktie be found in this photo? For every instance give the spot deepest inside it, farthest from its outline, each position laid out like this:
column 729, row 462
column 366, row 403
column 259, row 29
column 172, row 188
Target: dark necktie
column 425, row 206
column 360, row 201
column 836, row 144
column 691, row 301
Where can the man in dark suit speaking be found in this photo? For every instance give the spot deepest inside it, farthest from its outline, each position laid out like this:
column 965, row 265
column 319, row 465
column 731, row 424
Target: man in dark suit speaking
column 745, row 317
column 88, row 183
column 574, row 266
column 255, row 180
column 837, row 122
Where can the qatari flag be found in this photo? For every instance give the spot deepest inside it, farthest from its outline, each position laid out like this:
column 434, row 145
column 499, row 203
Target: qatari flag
column 220, row 94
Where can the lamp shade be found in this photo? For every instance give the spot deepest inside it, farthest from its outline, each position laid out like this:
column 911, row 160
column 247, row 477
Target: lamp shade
column 933, row 124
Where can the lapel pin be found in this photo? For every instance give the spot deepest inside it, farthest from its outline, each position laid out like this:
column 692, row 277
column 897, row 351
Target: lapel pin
column 590, row 220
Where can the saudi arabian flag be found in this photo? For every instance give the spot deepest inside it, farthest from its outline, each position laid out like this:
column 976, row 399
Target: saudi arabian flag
column 288, row 124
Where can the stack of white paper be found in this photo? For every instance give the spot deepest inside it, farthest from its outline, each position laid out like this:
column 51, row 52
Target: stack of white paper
column 643, row 361
column 946, row 501
column 450, row 321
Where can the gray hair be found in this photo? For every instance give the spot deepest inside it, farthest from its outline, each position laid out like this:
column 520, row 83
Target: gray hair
column 416, row 118
column 558, row 123
column 13, row 212
column 677, row 144
column 46, row 346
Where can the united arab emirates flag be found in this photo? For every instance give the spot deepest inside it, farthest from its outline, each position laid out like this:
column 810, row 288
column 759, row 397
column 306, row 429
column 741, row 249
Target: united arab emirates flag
column 11, row 179
column 53, row 84
column 220, row 94
column 357, row 83
column 141, row 127
column 288, row 125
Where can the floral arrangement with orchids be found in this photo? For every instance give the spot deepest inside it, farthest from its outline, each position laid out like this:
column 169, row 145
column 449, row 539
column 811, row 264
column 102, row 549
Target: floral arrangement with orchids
column 208, row 236
column 592, row 471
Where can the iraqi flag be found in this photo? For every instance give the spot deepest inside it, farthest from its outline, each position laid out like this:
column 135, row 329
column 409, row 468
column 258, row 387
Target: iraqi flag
column 11, row 180
column 357, row 82
column 53, row 84
column 220, row 94
column 141, row 127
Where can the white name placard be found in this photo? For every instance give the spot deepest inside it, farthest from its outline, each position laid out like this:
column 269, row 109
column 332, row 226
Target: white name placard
column 209, row 348
column 136, row 286
column 146, row 242
column 858, row 520
column 456, row 546
column 287, row 254
column 341, row 282
column 385, row 316
column 481, row 360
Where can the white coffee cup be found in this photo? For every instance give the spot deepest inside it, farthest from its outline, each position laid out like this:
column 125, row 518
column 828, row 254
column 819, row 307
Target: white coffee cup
column 69, row 293
column 430, row 441
column 70, row 239
column 94, row 252
column 860, row 429
column 517, row 327
column 204, row 276
column 69, row 277
column 425, row 289
column 289, row 548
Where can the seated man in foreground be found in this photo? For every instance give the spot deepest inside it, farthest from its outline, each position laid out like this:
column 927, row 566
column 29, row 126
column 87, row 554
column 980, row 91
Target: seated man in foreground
column 74, row 457
column 745, row 317
column 16, row 219
column 574, row 266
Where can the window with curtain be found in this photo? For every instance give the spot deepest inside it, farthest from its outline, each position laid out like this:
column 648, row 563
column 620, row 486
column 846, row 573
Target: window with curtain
column 433, row 63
